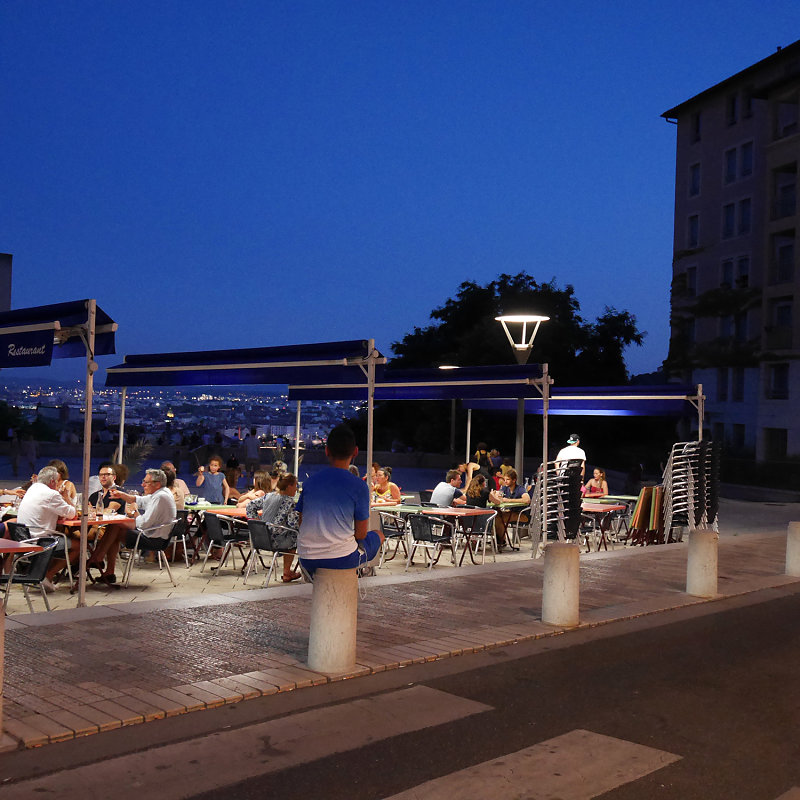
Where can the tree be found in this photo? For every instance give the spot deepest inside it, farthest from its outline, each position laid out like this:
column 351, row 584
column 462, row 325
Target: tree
column 465, row 332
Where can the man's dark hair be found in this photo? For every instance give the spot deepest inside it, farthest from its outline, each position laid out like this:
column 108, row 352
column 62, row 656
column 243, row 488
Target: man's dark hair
column 341, row 442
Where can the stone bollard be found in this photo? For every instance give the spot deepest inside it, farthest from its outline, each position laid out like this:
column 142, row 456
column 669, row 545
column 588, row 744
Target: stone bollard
column 334, row 616
column 793, row 549
column 701, row 564
column 561, row 589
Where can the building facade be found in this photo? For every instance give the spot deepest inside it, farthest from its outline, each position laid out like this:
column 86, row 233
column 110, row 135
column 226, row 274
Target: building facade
column 735, row 273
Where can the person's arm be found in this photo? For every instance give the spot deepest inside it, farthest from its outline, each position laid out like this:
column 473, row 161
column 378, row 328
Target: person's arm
column 526, row 497
column 395, row 492
column 459, row 499
column 117, row 493
column 64, row 509
column 603, row 489
column 360, row 528
column 200, row 476
column 226, row 490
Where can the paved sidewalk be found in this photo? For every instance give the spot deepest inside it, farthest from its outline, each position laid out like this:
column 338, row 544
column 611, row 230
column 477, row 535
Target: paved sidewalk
column 80, row 671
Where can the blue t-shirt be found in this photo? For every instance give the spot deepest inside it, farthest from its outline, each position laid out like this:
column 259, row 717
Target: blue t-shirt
column 331, row 502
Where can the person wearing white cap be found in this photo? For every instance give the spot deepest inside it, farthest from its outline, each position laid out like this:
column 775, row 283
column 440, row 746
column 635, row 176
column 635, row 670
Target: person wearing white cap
column 572, row 452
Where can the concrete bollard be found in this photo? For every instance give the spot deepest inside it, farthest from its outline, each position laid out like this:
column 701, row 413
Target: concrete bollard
column 701, row 564
column 334, row 617
column 561, row 587
column 793, row 549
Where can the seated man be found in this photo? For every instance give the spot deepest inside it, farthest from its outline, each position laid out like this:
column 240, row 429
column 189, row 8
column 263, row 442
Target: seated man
column 156, row 515
column 334, row 512
column 40, row 509
column 447, row 493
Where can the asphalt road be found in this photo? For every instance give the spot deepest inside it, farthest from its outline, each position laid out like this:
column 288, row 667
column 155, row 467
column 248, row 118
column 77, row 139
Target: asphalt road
column 703, row 702
column 718, row 690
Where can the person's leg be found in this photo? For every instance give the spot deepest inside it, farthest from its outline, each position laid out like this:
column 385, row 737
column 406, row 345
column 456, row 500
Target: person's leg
column 288, row 575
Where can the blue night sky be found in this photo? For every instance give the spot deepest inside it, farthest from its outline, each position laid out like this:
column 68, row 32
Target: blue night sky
column 241, row 173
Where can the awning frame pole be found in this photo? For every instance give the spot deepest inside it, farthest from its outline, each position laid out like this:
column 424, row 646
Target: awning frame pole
column 91, row 368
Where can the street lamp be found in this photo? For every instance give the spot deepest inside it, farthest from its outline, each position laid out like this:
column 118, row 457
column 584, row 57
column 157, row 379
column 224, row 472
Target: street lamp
column 522, row 351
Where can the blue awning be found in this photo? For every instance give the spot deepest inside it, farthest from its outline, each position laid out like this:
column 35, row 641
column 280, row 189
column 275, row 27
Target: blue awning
column 322, row 363
column 671, row 400
column 32, row 337
column 512, row 380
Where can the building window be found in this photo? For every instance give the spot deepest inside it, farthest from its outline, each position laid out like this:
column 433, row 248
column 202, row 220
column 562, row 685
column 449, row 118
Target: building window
column 746, row 159
column 728, row 220
column 696, row 126
column 722, row 384
column 740, row 327
column 784, row 191
column 726, row 274
column 747, row 102
column 737, row 439
column 745, row 214
column 782, row 268
column 786, row 117
column 737, row 380
column 778, row 334
column 743, row 272
column 718, row 431
column 732, row 109
column 694, row 180
column 691, row 281
column 730, row 166
column 693, row 233
column 778, row 382
column 775, row 441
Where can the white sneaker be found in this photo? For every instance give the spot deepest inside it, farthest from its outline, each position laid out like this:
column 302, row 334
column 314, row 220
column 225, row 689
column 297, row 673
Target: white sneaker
column 48, row 585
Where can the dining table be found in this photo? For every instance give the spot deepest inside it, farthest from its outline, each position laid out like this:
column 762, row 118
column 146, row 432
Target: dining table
column 596, row 508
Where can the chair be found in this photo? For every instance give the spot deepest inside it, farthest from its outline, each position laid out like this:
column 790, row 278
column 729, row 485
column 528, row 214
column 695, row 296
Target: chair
column 223, row 535
column 182, row 535
column 423, row 529
column 30, row 569
column 515, row 526
column 425, row 495
column 480, row 531
column 262, row 541
column 393, row 527
column 145, row 544
column 21, row 533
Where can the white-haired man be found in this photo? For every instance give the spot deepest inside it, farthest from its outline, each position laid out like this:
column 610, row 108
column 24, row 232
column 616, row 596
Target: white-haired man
column 40, row 510
column 155, row 515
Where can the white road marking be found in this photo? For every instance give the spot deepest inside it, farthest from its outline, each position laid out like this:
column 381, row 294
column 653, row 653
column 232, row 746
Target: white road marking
column 576, row 766
column 183, row 769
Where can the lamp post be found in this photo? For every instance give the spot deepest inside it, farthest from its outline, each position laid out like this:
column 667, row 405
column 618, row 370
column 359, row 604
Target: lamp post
column 522, row 351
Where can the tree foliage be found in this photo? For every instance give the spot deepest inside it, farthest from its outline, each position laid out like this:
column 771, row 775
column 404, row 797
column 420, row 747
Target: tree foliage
column 464, row 332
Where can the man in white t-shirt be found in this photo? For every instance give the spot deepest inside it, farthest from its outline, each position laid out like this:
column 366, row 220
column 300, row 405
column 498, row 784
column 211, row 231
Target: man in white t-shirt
column 572, row 452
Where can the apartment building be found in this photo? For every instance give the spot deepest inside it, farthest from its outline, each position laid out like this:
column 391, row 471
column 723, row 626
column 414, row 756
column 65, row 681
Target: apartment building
column 735, row 272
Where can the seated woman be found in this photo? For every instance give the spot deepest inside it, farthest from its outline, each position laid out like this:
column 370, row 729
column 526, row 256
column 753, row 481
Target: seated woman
column 477, row 492
column 66, row 487
column 384, row 490
column 278, row 508
column 596, row 486
column 261, row 486
column 177, row 492
column 509, row 491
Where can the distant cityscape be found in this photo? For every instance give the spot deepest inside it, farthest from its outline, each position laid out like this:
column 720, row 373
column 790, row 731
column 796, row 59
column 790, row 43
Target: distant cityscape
column 174, row 416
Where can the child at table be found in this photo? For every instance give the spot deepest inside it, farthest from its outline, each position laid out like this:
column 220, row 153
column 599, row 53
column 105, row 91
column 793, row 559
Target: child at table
column 215, row 488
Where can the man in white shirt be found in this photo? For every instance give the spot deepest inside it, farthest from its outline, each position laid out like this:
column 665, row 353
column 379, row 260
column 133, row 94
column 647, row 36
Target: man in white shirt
column 572, row 452
column 40, row 510
column 156, row 515
column 447, row 493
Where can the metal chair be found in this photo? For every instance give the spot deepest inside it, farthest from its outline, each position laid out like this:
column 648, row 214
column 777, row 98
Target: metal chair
column 20, row 533
column 145, row 544
column 478, row 533
column 30, row 569
column 423, row 531
column 425, row 495
column 182, row 535
column 223, row 535
column 393, row 527
column 262, row 541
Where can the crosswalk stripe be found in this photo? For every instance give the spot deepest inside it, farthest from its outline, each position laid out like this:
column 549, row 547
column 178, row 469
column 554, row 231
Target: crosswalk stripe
column 576, row 766
column 220, row 759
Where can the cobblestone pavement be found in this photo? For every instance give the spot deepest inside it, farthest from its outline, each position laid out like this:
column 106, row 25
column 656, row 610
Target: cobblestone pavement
column 79, row 671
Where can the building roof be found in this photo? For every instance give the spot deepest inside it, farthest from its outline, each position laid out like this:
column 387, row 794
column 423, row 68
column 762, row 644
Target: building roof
column 788, row 52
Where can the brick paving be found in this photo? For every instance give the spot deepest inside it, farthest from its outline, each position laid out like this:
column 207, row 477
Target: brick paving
column 80, row 671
